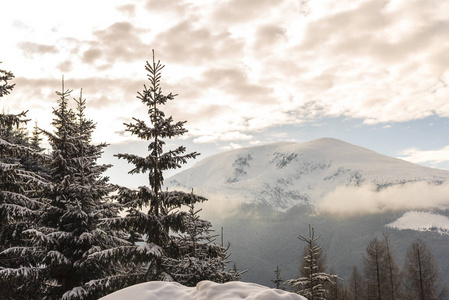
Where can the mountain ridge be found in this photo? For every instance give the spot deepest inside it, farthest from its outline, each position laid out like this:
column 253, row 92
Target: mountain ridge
column 286, row 174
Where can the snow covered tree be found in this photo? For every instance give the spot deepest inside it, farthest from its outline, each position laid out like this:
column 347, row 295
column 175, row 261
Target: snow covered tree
column 421, row 274
column 278, row 280
column 69, row 229
column 163, row 216
column 19, row 201
column 337, row 290
column 311, row 285
column 200, row 257
column 5, row 87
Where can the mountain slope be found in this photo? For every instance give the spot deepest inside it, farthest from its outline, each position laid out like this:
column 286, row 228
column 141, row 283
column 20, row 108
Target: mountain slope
column 283, row 175
column 292, row 183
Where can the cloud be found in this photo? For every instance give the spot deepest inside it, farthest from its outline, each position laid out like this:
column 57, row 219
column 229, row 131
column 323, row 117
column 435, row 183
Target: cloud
column 245, row 66
column 367, row 61
column 217, row 207
column 227, row 136
column 267, row 36
column 118, row 42
column 91, row 55
column 234, row 11
column 128, row 9
column 18, row 24
column 236, row 82
column 110, row 102
column 367, row 199
column 425, row 156
column 168, row 6
column 231, row 146
column 186, row 44
column 31, row 49
column 65, row 66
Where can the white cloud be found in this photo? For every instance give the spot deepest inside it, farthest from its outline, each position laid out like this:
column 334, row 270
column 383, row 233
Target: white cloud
column 425, row 156
column 227, row 136
column 252, row 65
column 367, row 199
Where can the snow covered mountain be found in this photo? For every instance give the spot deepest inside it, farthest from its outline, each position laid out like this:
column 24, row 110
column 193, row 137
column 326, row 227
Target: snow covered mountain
column 283, row 175
column 296, row 184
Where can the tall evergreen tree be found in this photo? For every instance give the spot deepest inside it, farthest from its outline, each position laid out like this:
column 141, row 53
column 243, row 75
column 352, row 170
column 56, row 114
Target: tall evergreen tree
column 421, row 274
column 19, row 201
column 163, row 216
column 311, row 285
column 69, row 230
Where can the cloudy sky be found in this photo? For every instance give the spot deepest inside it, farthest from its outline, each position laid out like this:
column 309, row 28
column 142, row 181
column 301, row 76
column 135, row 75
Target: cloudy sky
column 373, row 73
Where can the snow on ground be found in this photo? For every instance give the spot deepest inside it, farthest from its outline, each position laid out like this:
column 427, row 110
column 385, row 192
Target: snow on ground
column 422, row 221
column 205, row 290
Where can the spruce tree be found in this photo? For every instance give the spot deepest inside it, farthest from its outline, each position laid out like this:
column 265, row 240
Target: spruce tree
column 200, row 257
column 20, row 200
column 312, row 285
column 162, row 215
column 69, row 230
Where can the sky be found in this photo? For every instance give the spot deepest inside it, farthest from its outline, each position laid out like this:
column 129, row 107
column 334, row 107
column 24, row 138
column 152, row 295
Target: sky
column 373, row 73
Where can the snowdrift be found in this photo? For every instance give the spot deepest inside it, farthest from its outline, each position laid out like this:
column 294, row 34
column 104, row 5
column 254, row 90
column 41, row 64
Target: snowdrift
column 205, row 290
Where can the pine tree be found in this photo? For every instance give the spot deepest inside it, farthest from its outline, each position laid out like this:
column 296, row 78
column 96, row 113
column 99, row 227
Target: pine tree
column 278, row 280
column 312, row 286
column 69, row 230
column 421, row 274
column 200, row 257
column 163, row 216
column 38, row 166
column 19, row 202
column 5, row 87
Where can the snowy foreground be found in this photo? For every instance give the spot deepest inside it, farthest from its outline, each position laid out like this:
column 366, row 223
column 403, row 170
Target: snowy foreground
column 205, row 290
